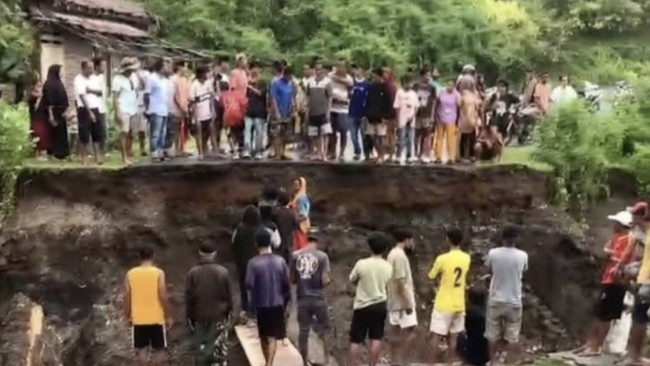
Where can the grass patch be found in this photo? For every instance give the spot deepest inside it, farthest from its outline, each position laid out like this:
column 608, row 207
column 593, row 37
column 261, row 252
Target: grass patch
column 522, row 155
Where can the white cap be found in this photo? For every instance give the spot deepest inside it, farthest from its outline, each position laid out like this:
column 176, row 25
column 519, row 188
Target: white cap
column 468, row 67
column 624, row 218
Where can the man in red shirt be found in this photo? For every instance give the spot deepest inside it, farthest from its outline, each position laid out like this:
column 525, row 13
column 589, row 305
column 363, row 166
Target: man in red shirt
column 609, row 306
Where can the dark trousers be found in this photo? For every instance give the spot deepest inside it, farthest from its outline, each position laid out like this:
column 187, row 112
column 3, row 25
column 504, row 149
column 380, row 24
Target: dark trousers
column 243, row 293
column 467, row 142
column 367, row 146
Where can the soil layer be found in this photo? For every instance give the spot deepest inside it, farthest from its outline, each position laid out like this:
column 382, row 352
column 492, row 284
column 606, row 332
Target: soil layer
column 74, row 232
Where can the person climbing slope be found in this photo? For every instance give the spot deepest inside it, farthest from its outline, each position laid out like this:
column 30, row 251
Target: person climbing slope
column 302, row 207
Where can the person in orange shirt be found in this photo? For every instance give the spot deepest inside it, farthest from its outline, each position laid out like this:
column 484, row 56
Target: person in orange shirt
column 146, row 309
column 610, row 304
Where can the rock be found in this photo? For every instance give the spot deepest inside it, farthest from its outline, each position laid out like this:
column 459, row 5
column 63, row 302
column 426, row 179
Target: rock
column 26, row 338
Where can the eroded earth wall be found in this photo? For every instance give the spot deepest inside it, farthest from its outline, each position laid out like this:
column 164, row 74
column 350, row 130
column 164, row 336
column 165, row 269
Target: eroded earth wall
column 74, row 233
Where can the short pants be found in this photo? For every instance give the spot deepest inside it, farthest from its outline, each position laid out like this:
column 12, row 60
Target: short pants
column 376, row 128
column 89, row 130
column 403, row 320
column 610, row 303
column 368, row 323
column 445, row 323
column 271, row 322
column 503, row 321
column 145, row 336
column 318, row 126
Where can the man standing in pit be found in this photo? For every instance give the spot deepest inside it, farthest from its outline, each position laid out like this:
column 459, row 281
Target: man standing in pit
column 370, row 276
column 448, row 317
column 401, row 298
column 208, row 304
column 146, row 306
column 267, row 279
column 310, row 270
column 507, row 265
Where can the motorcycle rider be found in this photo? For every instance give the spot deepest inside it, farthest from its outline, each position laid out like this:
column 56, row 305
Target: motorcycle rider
column 499, row 105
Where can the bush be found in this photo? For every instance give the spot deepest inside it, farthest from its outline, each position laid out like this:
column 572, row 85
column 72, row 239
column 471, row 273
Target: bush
column 15, row 148
column 582, row 147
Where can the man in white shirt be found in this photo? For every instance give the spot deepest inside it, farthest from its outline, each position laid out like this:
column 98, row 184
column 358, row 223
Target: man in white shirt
column 91, row 126
column 202, row 106
column 507, row 265
column 125, row 100
column 342, row 82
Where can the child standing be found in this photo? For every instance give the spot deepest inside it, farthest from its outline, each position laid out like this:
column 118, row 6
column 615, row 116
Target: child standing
column 406, row 104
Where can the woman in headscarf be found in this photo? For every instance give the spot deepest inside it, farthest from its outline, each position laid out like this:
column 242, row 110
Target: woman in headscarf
column 301, row 205
column 55, row 103
column 38, row 120
column 244, row 249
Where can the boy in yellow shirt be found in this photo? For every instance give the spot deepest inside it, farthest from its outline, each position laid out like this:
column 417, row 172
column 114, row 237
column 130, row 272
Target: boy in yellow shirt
column 448, row 316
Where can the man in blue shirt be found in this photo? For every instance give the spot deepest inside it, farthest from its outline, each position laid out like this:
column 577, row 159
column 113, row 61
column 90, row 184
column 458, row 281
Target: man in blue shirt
column 267, row 280
column 156, row 99
column 283, row 93
column 357, row 108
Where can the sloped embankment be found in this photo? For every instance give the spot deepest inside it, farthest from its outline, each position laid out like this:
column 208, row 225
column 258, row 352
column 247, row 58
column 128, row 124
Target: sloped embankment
column 73, row 234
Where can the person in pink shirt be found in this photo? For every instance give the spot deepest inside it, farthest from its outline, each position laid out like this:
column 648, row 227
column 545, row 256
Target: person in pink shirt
column 406, row 105
column 239, row 76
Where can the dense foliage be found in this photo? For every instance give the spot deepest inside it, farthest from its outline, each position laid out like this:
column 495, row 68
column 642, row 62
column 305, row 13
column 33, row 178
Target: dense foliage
column 15, row 147
column 16, row 42
column 582, row 148
column 596, row 39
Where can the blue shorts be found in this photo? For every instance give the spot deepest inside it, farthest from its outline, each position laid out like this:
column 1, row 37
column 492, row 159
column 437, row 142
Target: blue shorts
column 340, row 122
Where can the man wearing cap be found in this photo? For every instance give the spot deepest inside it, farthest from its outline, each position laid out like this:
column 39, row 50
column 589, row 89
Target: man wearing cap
column 125, row 101
column 208, row 303
column 610, row 303
column 507, row 265
column 640, row 320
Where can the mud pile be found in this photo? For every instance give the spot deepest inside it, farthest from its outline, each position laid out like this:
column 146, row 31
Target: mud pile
column 74, row 233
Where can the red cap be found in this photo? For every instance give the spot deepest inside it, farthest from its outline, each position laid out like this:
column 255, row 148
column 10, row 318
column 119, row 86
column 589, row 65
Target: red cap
column 639, row 208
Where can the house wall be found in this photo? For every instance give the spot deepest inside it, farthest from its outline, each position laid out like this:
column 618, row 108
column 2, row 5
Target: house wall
column 76, row 51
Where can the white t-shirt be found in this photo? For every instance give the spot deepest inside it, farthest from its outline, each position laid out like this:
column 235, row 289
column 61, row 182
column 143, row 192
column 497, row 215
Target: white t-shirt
column 340, row 93
column 508, row 265
column 561, row 94
column 204, row 93
column 98, row 82
column 81, row 86
column 406, row 103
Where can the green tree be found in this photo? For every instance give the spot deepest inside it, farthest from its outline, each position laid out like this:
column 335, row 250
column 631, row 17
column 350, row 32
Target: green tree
column 16, row 42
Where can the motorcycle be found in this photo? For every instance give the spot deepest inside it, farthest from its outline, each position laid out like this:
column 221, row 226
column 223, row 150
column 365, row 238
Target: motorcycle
column 592, row 94
column 516, row 122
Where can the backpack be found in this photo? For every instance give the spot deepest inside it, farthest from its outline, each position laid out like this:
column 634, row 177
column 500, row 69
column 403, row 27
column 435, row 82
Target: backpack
column 233, row 110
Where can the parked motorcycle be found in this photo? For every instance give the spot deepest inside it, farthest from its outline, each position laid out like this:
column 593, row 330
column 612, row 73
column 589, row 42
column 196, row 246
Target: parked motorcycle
column 592, row 95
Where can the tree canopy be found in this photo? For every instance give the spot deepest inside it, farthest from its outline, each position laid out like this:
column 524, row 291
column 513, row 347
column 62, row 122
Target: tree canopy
column 504, row 37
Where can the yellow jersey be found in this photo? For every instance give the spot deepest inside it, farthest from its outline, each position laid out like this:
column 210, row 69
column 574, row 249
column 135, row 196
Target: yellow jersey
column 644, row 270
column 146, row 308
column 452, row 267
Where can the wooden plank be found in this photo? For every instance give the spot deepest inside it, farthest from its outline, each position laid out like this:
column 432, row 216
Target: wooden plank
column 286, row 355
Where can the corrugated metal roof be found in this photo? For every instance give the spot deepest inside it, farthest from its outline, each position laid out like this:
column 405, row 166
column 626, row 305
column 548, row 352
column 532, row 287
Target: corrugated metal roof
column 100, row 25
column 118, row 6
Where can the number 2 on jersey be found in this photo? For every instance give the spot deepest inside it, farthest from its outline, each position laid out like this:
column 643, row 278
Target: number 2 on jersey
column 458, row 272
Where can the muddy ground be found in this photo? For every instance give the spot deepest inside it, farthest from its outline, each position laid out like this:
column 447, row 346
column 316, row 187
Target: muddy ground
column 74, row 233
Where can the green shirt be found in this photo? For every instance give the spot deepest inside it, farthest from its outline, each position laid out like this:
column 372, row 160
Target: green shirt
column 371, row 275
column 401, row 273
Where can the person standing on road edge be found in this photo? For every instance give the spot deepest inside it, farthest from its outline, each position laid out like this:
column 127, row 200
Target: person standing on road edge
column 267, row 279
column 310, row 271
column 156, row 100
column 358, row 96
column 402, row 314
column 209, row 305
column 282, row 92
column 125, row 105
column 147, row 309
column 507, row 265
column 448, row 316
column 371, row 277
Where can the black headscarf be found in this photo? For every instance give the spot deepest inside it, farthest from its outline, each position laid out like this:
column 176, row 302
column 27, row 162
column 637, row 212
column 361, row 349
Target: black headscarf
column 54, row 94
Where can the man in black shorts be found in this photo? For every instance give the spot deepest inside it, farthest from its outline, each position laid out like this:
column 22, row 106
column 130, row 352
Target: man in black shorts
column 370, row 276
column 91, row 123
column 319, row 101
column 267, row 280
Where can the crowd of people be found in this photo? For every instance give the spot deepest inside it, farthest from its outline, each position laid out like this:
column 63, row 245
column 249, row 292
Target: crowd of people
column 419, row 118
column 274, row 248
